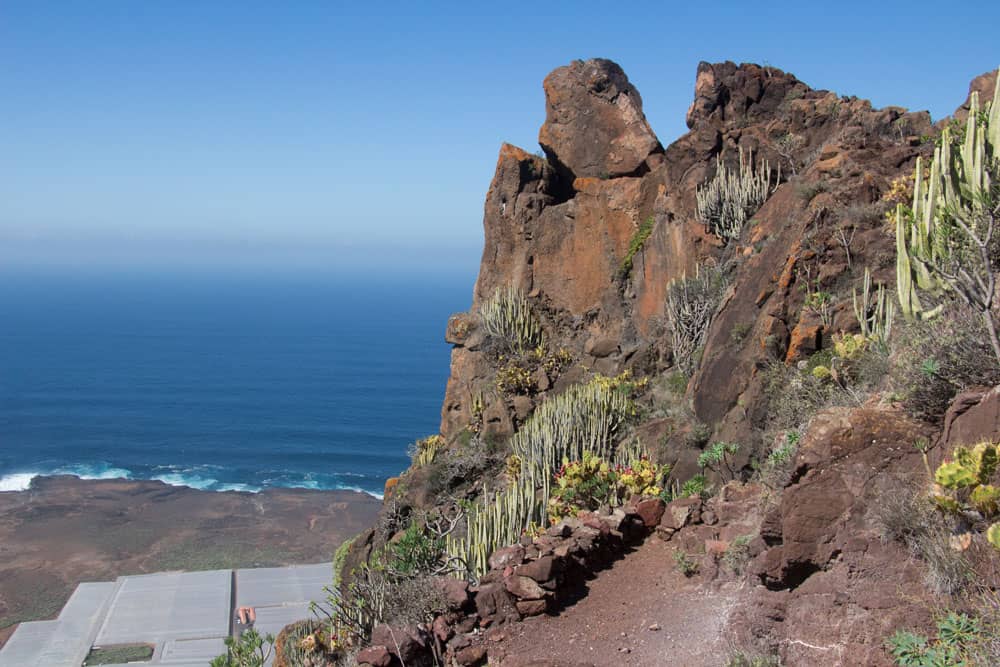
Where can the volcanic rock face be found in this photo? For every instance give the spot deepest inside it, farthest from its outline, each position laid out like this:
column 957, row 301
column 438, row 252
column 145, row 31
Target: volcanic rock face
column 564, row 229
column 559, row 228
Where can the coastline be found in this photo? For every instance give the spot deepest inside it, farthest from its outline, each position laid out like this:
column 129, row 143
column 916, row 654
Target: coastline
column 63, row 530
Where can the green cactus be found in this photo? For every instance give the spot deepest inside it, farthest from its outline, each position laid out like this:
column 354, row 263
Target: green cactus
column 986, row 499
column 993, row 535
column 728, row 200
column 874, row 311
column 963, row 485
column 584, row 420
column 507, row 316
column 970, row 468
column 945, row 243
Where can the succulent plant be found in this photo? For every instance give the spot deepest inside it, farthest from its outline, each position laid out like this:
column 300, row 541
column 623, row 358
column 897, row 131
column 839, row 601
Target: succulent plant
column 507, row 315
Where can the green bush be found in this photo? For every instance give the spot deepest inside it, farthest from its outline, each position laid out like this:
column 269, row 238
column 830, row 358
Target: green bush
column 642, row 233
column 957, row 635
column 250, row 650
column 718, row 457
column 685, row 564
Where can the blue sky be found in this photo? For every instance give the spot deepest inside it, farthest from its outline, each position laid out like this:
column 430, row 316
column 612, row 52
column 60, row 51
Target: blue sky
column 324, row 134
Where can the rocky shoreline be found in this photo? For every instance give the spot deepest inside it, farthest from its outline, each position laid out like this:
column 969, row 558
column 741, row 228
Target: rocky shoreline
column 64, row 530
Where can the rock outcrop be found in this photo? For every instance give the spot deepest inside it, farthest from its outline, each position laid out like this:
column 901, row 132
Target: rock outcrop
column 593, row 233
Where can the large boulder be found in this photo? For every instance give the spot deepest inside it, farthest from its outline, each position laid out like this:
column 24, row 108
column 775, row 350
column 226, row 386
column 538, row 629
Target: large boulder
column 594, row 125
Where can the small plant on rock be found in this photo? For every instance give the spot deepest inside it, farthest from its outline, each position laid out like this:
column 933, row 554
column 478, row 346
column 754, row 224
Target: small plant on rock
column 685, row 564
column 718, row 459
column 957, row 634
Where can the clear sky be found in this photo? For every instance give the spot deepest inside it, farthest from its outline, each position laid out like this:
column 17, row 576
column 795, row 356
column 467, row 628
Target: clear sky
column 364, row 135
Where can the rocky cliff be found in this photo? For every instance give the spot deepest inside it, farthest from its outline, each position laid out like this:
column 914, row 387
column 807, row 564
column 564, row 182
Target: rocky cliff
column 593, row 230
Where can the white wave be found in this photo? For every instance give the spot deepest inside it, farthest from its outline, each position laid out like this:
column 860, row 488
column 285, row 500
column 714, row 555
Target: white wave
column 360, row 490
column 99, row 471
column 192, row 481
column 19, row 481
column 249, row 488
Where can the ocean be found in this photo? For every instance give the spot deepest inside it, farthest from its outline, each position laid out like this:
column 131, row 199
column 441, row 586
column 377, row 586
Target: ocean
column 221, row 382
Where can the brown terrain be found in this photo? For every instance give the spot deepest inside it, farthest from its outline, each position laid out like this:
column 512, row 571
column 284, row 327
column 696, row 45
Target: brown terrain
column 814, row 580
column 65, row 530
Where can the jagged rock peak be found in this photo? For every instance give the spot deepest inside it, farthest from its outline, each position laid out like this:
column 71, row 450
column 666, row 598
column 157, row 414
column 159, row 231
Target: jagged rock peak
column 725, row 91
column 594, row 124
column 983, row 84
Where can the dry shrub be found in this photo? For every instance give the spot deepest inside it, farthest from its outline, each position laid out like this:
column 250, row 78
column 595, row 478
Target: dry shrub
column 904, row 514
column 416, row 600
column 934, row 360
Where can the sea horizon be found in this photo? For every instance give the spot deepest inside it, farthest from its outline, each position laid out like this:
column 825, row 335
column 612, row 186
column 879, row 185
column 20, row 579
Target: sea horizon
column 222, row 381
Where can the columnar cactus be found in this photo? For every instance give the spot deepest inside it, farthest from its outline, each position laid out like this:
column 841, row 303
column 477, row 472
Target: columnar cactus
column 874, row 314
column 507, row 316
column 728, row 200
column 946, row 243
column 585, row 420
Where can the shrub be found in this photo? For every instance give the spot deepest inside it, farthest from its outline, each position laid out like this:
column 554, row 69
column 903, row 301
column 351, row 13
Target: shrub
column 250, row 650
column 423, row 451
column 728, row 200
column 507, row 317
column 591, row 483
column 695, row 486
column 718, row 458
column 685, row 564
column 691, row 305
column 737, row 553
column 642, row 233
column 957, row 634
column 963, row 487
column 414, row 600
column 513, row 379
column 906, row 516
column 747, row 659
column 699, row 435
column 936, row 359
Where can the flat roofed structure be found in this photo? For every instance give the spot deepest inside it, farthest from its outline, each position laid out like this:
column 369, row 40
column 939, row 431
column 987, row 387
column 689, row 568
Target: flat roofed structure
column 153, row 608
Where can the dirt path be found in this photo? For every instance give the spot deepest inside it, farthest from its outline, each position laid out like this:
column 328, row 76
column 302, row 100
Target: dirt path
column 641, row 612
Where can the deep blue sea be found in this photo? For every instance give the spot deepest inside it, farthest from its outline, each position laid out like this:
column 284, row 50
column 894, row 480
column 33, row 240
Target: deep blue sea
column 221, row 382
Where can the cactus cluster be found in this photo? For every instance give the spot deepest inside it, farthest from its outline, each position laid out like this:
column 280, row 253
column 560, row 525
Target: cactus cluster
column 874, row 312
column 507, row 316
column 585, row 420
column 691, row 305
column 728, row 200
column 423, row 451
column 962, row 486
column 946, row 242
column 497, row 520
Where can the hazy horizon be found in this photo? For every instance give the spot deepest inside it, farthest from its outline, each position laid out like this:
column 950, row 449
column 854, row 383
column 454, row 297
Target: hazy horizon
column 252, row 135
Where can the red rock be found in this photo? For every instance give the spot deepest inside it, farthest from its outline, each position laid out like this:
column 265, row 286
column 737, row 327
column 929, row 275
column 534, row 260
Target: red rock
column 471, row 656
column 524, row 588
column 716, row 548
column 540, row 570
column 594, row 123
column 409, row 643
column 495, row 605
column 804, row 341
column 375, row 656
column 651, row 511
column 680, row 512
column 532, row 607
column 512, row 555
column 455, row 591
column 442, row 629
